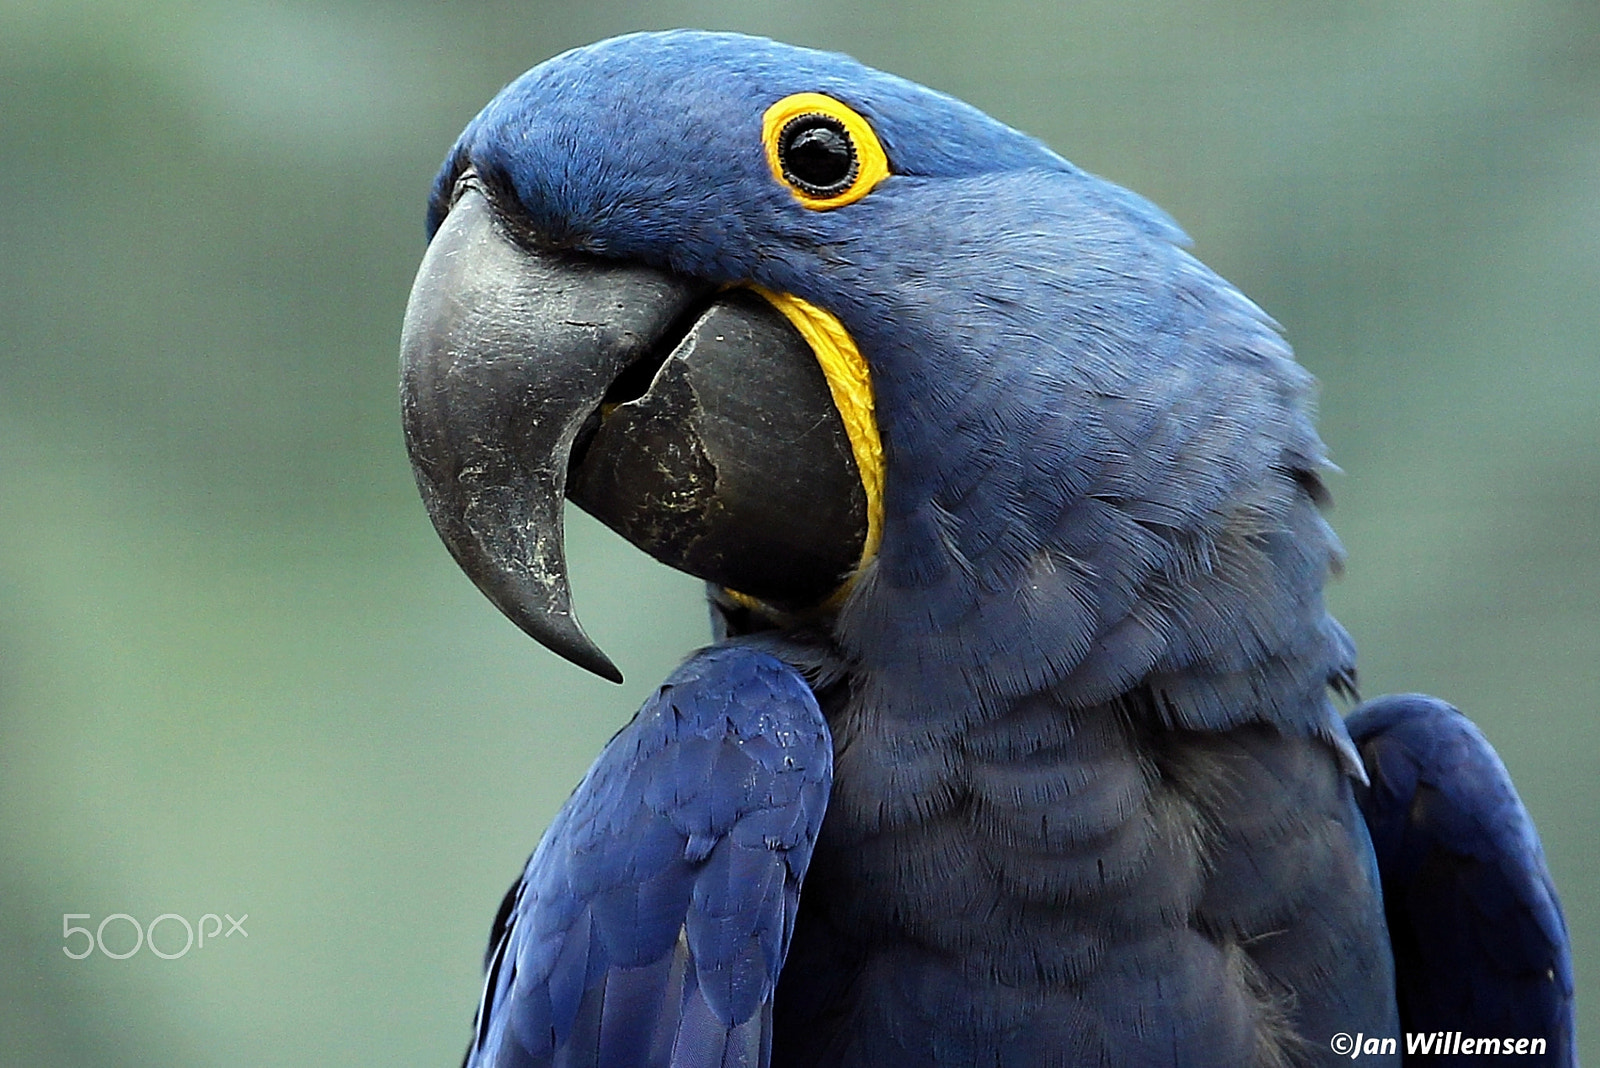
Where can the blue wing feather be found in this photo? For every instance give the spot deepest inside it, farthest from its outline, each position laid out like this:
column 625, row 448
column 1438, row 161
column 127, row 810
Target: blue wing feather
column 1479, row 940
column 649, row 926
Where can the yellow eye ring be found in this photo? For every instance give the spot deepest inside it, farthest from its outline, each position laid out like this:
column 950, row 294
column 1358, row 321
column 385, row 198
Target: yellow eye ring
column 822, row 151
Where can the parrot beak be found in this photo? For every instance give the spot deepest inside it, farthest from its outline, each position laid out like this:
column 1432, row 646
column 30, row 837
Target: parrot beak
column 693, row 421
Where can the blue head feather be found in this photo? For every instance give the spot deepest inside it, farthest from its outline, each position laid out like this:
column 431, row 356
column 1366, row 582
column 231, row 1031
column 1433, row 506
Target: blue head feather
column 1101, row 463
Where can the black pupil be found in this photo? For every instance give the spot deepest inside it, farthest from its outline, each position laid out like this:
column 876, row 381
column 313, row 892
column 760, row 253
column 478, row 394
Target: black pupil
column 817, row 154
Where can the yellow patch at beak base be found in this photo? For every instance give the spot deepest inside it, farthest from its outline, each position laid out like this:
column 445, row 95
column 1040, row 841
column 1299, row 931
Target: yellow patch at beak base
column 850, row 383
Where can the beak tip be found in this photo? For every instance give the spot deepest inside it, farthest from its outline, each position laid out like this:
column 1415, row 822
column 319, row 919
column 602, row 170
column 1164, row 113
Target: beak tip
column 561, row 634
column 593, row 660
column 600, row 664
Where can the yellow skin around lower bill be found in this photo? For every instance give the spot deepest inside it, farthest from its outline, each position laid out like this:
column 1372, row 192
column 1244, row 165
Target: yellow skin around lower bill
column 850, row 382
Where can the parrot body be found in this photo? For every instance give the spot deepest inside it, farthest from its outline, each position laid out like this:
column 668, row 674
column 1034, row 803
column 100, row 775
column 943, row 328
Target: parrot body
column 1055, row 777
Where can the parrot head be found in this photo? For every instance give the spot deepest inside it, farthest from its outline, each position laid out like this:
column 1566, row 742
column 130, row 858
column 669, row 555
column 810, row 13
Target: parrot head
column 848, row 348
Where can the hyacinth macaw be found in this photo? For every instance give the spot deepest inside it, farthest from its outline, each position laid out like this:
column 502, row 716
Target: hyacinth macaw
column 1016, row 745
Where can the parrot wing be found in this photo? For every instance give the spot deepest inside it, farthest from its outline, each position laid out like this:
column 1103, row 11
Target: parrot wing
column 650, row 924
column 1480, row 944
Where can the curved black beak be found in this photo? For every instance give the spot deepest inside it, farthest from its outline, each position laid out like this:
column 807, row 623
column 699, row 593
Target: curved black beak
column 695, row 423
column 504, row 355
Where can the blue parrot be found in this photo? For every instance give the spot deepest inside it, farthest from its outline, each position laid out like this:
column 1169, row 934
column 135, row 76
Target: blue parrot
column 1017, row 744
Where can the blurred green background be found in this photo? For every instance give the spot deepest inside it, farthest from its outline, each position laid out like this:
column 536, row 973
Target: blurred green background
column 239, row 674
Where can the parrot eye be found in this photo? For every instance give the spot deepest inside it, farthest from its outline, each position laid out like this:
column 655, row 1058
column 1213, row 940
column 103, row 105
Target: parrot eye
column 817, row 155
column 823, row 151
